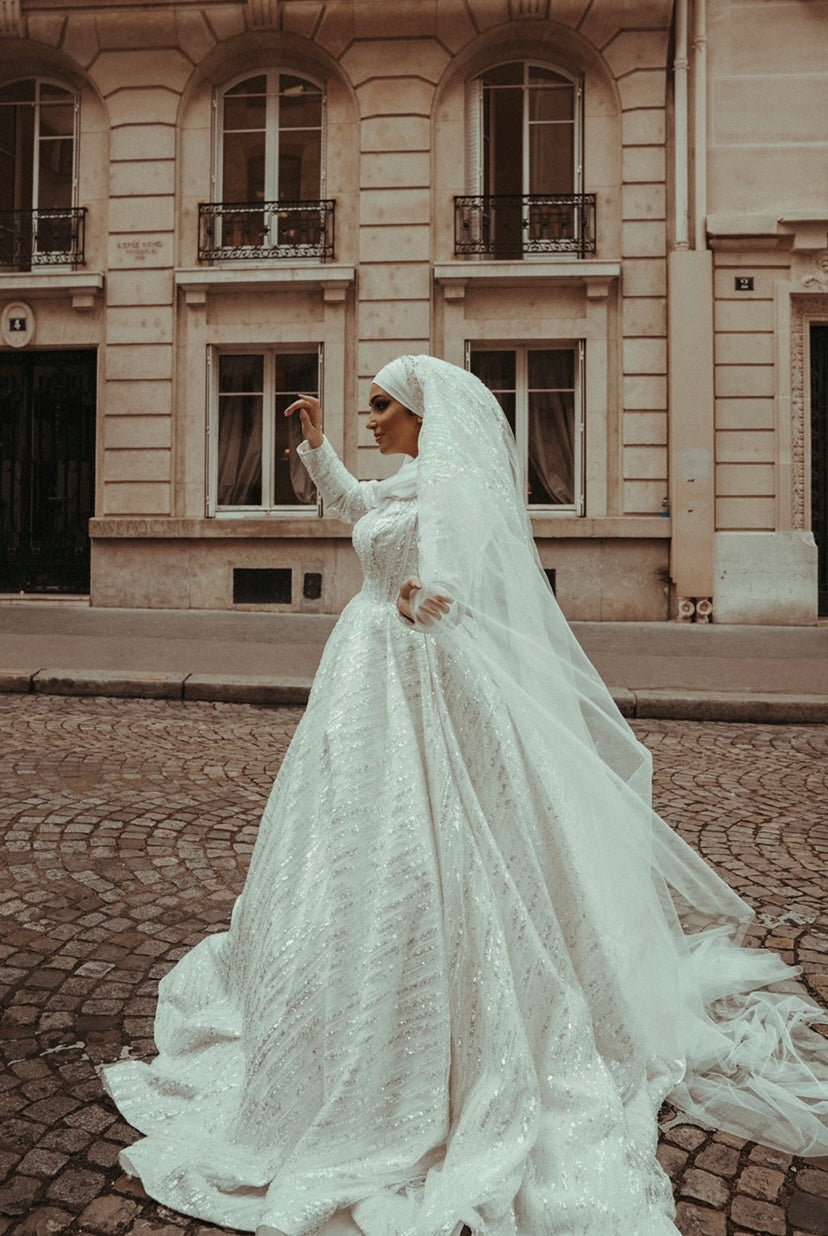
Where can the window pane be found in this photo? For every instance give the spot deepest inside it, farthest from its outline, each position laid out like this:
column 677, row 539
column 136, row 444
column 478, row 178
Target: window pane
column 241, row 373
column 57, row 120
column 300, row 162
column 244, row 166
column 240, row 450
column 300, row 109
column 551, row 158
column 545, row 77
column 18, row 92
column 551, row 374
column 497, row 370
column 504, row 75
column 503, row 138
column 297, row 373
column 552, row 369
column 244, row 113
column 557, row 103
column 251, row 85
column 551, row 448
column 55, row 94
column 56, row 166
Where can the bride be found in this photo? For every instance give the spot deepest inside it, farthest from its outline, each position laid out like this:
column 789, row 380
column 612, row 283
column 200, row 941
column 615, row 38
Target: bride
column 469, row 962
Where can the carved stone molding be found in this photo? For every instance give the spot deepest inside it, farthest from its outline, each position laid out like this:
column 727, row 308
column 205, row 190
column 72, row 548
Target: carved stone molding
column 263, row 12
column 817, row 280
column 527, row 8
column 11, row 21
column 804, row 309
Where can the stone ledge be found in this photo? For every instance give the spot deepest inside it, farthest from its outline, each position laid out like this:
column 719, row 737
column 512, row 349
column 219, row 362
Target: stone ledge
column 144, row 684
column 742, row 706
column 247, row 689
column 285, row 527
column 15, row 681
column 332, row 280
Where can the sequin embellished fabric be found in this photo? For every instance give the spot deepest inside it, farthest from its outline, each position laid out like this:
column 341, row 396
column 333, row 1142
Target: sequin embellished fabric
column 416, row 1018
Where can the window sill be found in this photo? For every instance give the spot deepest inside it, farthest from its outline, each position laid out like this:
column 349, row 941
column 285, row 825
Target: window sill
column 333, row 281
column 81, row 287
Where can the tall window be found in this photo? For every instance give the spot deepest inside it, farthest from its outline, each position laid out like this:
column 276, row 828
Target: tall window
column 540, row 390
column 270, row 151
column 38, row 130
column 254, row 464
column 524, row 160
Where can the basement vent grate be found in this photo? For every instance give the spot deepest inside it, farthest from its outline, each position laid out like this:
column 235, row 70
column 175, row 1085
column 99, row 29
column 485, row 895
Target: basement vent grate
column 268, row 586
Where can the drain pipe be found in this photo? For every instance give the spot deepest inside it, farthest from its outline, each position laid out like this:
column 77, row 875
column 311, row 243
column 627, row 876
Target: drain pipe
column 700, row 116
column 681, row 127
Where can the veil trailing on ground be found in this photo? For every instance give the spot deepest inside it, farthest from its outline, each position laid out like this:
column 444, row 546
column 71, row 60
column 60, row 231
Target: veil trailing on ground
column 697, row 1006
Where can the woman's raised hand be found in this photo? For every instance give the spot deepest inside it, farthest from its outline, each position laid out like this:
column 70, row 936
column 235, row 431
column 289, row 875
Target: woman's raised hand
column 310, row 414
column 432, row 608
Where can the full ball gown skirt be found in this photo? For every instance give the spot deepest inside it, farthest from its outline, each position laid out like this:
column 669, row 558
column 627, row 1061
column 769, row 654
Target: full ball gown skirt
column 420, row 1015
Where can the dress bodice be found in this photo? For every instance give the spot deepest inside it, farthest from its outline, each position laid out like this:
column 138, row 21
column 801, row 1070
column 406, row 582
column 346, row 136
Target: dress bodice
column 384, row 514
column 385, row 539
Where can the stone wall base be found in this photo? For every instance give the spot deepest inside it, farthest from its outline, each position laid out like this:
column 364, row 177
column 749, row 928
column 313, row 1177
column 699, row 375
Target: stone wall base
column 617, row 580
column 766, row 577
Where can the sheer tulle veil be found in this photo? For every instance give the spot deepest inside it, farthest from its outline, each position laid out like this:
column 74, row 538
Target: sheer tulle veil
column 698, row 1009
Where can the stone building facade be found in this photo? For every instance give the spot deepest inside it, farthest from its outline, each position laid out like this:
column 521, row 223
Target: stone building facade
column 616, row 214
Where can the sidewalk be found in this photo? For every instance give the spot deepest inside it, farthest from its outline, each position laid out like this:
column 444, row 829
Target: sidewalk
column 667, row 670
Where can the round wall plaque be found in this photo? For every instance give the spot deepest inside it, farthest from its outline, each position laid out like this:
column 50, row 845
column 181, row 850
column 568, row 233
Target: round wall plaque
column 17, row 324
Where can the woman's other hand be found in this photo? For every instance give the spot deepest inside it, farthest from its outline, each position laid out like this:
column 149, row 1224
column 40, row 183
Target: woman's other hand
column 310, row 414
column 430, row 610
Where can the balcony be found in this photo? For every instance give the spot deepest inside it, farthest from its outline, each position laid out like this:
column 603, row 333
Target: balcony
column 52, row 236
column 265, row 231
column 513, row 226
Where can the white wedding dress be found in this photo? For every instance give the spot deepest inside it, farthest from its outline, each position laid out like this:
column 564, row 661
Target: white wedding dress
column 431, row 1008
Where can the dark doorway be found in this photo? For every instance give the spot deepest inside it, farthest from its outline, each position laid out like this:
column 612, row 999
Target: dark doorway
column 819, row 453
column 47, row 470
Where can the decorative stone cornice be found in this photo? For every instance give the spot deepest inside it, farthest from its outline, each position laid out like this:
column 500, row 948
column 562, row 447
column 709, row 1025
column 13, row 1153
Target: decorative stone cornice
column 11, row 20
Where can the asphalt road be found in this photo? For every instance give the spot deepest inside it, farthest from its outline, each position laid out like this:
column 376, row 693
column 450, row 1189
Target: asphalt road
column 126, row 828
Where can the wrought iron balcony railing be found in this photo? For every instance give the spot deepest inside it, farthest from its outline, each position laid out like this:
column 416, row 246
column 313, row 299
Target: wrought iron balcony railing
column 263, row 230
column 510, row 226
column 53, row 236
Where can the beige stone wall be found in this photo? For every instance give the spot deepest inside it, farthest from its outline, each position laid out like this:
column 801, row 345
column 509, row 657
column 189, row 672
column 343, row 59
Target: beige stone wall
column 768, row 90
column 395, row 76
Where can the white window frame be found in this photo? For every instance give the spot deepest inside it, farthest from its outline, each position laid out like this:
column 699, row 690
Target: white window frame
column 474, row 122
column 268, row 507
column 272, row 131
column 33, row 205
column 522, row 350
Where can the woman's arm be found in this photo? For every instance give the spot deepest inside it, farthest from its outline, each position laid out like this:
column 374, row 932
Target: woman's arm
column 344, row 496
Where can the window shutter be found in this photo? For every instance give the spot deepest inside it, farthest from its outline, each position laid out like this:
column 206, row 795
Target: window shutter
column 474, row 137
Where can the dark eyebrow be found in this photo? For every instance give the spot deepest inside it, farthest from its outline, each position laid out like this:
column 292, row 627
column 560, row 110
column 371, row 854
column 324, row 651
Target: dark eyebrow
column 374, row 398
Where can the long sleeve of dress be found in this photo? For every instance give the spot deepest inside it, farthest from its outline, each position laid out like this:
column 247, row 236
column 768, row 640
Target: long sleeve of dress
column 343, row 495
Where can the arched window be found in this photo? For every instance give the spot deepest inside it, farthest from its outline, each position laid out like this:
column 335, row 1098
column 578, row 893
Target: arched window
column 270, row 168
column 38, row 180
column 524, row 163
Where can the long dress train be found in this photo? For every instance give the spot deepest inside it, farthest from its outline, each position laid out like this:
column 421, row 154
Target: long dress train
column 448, row 993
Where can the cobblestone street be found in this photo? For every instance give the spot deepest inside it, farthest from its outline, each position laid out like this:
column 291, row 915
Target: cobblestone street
column 127, row 827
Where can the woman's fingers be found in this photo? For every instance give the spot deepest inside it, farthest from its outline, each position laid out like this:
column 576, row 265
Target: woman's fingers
column 310, row 415
column 306, row 404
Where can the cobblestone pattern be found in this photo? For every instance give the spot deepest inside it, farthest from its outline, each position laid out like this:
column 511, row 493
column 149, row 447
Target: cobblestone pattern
column 127, row 826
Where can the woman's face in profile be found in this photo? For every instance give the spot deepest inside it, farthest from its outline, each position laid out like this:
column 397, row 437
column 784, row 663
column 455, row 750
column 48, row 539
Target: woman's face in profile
column 396, row 431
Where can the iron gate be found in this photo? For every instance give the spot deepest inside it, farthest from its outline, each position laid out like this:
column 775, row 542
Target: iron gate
column 47, row 470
